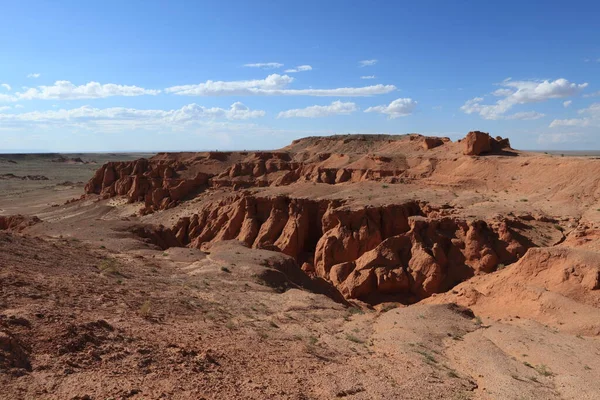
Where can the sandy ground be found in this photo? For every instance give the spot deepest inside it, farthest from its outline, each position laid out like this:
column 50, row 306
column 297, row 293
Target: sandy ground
column 90, row 311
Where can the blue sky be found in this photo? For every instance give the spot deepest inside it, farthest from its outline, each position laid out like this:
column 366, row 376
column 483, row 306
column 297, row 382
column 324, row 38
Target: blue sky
column 158, row 75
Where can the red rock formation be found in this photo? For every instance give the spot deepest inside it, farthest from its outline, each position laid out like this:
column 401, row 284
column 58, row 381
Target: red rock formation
column 430, row 142
column 166, row 179
column 17, row 222
column 158, row 184
column 364, row 252
column 477, row 143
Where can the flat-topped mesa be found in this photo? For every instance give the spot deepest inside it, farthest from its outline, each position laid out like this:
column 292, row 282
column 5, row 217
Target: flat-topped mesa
column 161, row 183
column 363, row 144
column 167, row 178
column 409, row 250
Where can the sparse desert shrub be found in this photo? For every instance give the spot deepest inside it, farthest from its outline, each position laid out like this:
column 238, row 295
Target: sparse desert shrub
column 452, row 374
column 109, row 266
column 388, row 307
column 542, row 369
column 354, row 339
column 428, row 357
column 145, row 309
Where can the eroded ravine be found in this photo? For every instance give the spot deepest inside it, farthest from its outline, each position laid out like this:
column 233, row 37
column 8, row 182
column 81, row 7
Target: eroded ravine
column 404, row 252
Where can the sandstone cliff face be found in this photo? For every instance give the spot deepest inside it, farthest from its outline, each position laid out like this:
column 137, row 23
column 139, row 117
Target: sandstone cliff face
column 408, row 250
column 162, row 183
column 477, row 143
column 158, row 184
column 431, row 142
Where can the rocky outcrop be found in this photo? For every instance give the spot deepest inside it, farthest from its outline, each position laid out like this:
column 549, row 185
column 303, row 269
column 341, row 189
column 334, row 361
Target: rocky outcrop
column 165, row 179
column 17, row 223
column 162, row 183
column 24, row 178
column 159, row 185
column 13, row 354
column 477, row 143
column 159, row 236
column 430, row 142
column 409, row 250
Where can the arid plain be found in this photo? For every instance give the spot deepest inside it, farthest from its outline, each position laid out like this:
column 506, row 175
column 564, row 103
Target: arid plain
column 352, row 266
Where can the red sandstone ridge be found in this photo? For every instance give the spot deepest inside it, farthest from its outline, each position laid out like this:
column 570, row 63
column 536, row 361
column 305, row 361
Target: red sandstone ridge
column 160, row 185
column 164, row 180
column 409, row 250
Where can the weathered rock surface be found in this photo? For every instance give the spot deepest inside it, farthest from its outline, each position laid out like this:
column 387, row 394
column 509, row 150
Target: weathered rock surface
column 409, row 250
column 430, row 142
column 17, row 222
column 158, row 184
column 477, row 143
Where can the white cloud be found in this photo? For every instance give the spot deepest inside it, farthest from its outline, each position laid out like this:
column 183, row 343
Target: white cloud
column 6, row 86
column 130, row 116
column 19, row 106
column 268, row 65
column 272, row 85
column 299, row 68
column 567, row 103
column 591, row 118
column 502, row 92
column 582, row 122
column 554, row 138
column 521, row 92
column 4, row 108
column 397, row 108
column 65, row 90
column 335, row 108
column 367, row 63
column 368, row 77
column 526, row 115
column 34, row 75
column 593, row 94
column 219, row 88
